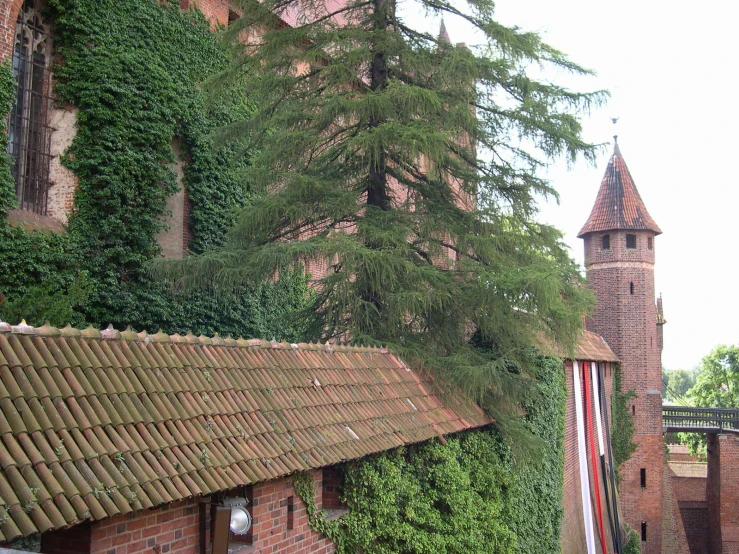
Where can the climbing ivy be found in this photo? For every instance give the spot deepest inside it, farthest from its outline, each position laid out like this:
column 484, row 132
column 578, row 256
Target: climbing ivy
column 467, row 495
column 134, row 70
column 7, row 96
column 622, row 424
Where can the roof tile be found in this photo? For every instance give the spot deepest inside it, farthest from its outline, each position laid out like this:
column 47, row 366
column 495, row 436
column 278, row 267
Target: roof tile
column 100, row 424
column 618, row 205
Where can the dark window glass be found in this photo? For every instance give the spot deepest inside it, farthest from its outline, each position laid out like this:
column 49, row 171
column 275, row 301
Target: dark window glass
column 643, row 477
column 28, row 125
column 606, row 242
column 630, row 241
column 644, row 531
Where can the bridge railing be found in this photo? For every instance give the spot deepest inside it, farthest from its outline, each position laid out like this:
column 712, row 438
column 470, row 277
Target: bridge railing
column 718, row 419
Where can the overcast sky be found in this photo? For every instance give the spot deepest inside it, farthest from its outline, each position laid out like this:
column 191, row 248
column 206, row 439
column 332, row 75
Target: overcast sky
column 670, row 69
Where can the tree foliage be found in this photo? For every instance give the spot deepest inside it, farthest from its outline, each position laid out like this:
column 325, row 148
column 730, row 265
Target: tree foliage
column 402, row 161
column 717, row 384
column 676, row 384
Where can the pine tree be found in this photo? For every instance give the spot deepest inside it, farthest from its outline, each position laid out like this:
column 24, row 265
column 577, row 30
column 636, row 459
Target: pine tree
column 411, row 166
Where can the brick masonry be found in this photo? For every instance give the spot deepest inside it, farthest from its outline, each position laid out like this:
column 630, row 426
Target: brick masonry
column 625, row 316
column 722, row 491
column 176, row 528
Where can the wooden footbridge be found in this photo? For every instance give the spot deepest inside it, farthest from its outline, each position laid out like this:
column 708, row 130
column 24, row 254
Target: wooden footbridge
column 700, row 420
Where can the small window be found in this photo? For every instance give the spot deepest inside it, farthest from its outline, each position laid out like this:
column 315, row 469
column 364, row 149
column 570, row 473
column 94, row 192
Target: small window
column 643, row 477
column 633, row 409
column 631, row 287
column 606, row 242
column 290, row 513
column 630, row 241
column 643, row 531
column 232, row 16
column 650, row 243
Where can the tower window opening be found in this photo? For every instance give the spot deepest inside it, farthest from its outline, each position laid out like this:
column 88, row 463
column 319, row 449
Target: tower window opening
column 643, row 531
column 232, row 16
column 606, row 244
column 633, row 409
column 650, row 243
column 630, row 241
column 290, row 513
column 631, row 287
column 643, row 477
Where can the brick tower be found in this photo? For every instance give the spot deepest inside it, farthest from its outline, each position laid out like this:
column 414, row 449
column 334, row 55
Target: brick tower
column 619, row 259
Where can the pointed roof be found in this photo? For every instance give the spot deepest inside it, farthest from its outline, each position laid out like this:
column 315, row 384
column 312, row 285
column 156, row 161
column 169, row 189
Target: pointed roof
column 618, row 204
column 443, row 33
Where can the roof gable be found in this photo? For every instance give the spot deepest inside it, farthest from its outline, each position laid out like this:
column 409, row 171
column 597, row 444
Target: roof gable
column 618, row 205
column 99, row 423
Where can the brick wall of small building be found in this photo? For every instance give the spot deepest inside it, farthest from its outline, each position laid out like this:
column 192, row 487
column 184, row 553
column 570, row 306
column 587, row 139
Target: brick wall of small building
column 627, row 321
column 674, row 539
column 722, row 491
column 176, row 528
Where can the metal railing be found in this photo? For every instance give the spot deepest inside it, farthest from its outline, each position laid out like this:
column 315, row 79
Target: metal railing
column 700, row 420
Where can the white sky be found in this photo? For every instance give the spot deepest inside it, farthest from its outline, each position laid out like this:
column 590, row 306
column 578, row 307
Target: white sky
column 668, row 66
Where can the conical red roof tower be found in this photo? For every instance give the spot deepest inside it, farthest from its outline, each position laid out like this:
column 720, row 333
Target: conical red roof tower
column 618, row 204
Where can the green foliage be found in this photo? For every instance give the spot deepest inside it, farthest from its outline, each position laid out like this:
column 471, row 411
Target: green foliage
column 465, row 496
column 632, row 544
column 716, row 386
column 622, row 424
column 134, row 68
column 677, row 383
column 7, row 97
column 364, row 124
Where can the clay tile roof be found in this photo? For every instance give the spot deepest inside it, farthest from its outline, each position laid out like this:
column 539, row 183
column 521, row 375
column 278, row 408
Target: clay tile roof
column 589, row 347
column 618, row 205
column 689, row 469
column 99, row 423
column 443, row 33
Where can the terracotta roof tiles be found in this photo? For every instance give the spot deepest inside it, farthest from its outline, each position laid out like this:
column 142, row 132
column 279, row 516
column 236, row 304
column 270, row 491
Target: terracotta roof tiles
column 618, row 205
column 99, row 423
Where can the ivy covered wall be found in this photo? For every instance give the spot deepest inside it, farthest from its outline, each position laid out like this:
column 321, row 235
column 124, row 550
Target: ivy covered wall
column 134, row 68
column 467, row 495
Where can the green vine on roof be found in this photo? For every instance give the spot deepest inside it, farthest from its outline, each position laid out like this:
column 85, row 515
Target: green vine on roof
column 135, row 70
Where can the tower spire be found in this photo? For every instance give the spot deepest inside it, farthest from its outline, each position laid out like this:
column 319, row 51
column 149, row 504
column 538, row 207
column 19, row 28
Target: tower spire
column 618, row 205
column 443, row 34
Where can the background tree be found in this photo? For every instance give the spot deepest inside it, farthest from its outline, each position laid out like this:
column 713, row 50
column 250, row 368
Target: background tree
column 716, row 386
column 676, row 384
column 411, row 166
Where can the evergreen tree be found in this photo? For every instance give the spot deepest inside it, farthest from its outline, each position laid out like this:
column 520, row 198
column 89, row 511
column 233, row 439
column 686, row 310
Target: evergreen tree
column 410, row 165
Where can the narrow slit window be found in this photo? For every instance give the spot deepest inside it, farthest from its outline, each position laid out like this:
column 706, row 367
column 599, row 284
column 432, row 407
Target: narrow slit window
column 643, row 531
column 606, row 242
column 650, row 243
column 631, row 287
column 630, row 241
column 633, row 409
column 290, row 513
column 29, row 132
column 643, row 477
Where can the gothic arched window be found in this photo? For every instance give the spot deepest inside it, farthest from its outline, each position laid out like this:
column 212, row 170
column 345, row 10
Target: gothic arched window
column 28, row 125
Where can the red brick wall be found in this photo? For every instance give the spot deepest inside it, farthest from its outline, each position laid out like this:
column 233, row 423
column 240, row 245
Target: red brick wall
column 175, row 528
column 674, row 539
column 722, row 491
column 628, row 323
column 690, row 489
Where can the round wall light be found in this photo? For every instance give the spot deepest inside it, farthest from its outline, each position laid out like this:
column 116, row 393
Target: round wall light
column 240, row 520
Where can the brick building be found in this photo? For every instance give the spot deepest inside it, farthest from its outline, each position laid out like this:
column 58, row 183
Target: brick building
column 117, row 442
column 620, row 249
